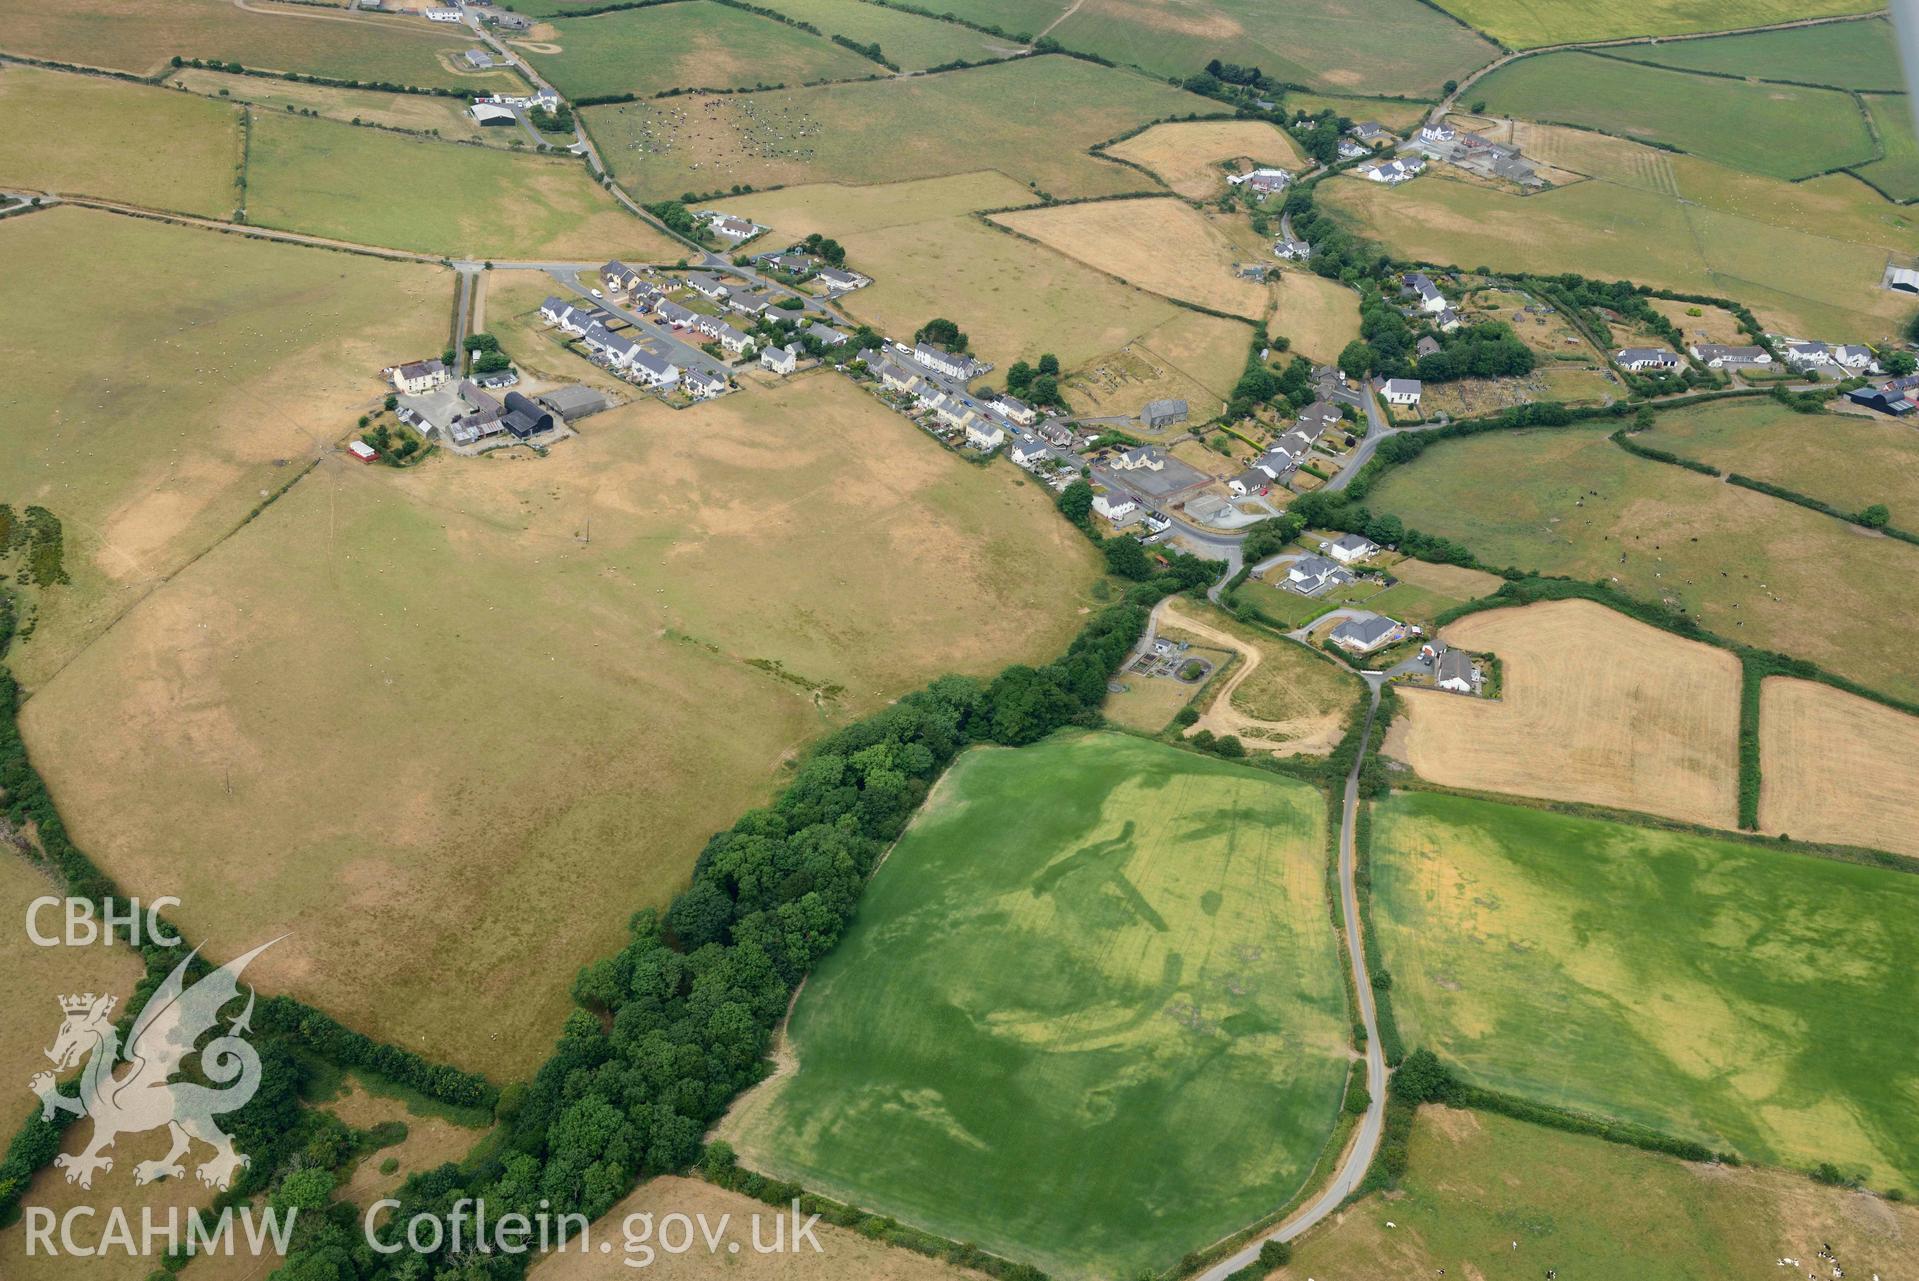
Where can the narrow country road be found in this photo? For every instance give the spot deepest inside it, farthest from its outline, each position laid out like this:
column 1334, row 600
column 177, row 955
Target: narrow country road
column 1365, row 1141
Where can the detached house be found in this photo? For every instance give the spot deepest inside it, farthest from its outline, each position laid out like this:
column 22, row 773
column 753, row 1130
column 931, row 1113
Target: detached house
column 673, row 314
column 1438, row 132
column 419, row 377
column 729, row 227
column 1401, row 393
column 1430, row 299
column 651, row 371
column 1029, row 453
column 1718, row 356
column 1393, row 172
column 1349, row 549
column 707, row 286
column 1366, row 633
column 1313, row 575
column 1454, row 671
column 1139, row 460
column 702, row 384
column 984, row 433
column 617, row 275
column 1114, row 506
column 781, row 360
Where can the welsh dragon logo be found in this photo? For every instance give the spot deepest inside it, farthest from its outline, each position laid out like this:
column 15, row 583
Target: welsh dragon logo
column 144, row 1098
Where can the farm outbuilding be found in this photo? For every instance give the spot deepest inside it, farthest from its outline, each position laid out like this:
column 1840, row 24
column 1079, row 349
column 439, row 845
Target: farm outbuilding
column 492, row 113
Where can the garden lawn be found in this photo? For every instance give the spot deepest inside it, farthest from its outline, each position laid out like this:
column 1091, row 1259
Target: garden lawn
column 87, row 135
column 1785, row 131
column 691, row 45
column 1090, row 1015
column 1742, row 995
column 322, row 177
column 1845, row 55
column 1755, row 570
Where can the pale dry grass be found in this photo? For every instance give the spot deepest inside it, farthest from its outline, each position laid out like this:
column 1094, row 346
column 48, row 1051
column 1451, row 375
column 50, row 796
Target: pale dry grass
column 843, row 1255
column 1321, row 316
column 1596, row 707
column 531, row 687
column 448, row 117
column 1837, row 767
column 430, row 1141
column 1449, row 580
column 1187, row 154
column 836, row 209
column 1161, row 245
column 1190, row 356
column 1280, row 698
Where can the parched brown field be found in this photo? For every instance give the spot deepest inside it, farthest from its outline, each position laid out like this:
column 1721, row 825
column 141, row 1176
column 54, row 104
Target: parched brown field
column 1837, row 767
column 1187, row 154
column 88, row 135
column 1191, row 357
column 837, row 209
column 431, row 1140
column 1450, row 580
column 1321, row 316
column 1712, row 324
column 843, row 1255
column 531, row 687
column 1280, row 697
column 1015, row 299
column 216, row 367
column 1596, row 707
column 1161, row 245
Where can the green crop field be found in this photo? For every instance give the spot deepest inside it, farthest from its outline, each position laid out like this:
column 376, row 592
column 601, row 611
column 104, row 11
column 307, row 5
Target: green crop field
column 908, row 40
column 1850, row 462
column 1525, row 24
column 1500, row 1200
column 691, row 45
column 1782, row 130
column 88, row 135
column 1089, row 1015
column 1807, row 258
column 1745, row 996
column 547, row 680
column 321, row 177
column 1846, row 55
column 140, row 35
column 1898, row 173
column 1005, row 117
column 1355, row 45
column 214, row 367
column 1754, row 569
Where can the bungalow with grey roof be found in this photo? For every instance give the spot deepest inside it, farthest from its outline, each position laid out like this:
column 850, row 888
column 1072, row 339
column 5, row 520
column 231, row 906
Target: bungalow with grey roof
column 707, row 285
column 1401, row 393
column 1366, row 633
column 1719, row 356
column 731, row 228
column 1453, row 670
column 826, row 335
column 1638, row 359
column 840, row 281
column 1314, row 575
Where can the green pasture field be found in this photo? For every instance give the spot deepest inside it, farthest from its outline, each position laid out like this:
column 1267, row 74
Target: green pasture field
column 321, row 177
column 1394, row 113
column 1090, row 1015
column 1898, row 173
column 1357, row 45
column 140, row 35
column 1488, row 1197
column 421, row 113
column 691, row 45
column 1691, row 226
column 213, row 369
column 1782, row 130
column 1754, row 569
column 1744, row 996
column 1026, row 18
column 1845, row 55
column 908, row 40
column 1032, row 119
column 1524, row 24
column 87, row 135
column 1848, row 461
column 531, row 686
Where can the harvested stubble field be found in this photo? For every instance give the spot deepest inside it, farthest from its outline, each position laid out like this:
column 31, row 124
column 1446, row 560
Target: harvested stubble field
column 216, row 367
column 1187, row 154
column 843, row 1253
column 1280, row 697
column 1837, row 767
column 911, row 42
column 1476, row 1183
column 1187, row 357
column 87, row 135
column 141, row 35
column 1787, row 131
column 536, row 685
column 1523, row 24
column 695, row 44
column 1015, row 299
column 448, row 117
column 1850, row 461
column 1756, row 570
column 1163, row 1066
column 1005, row 117
column 462, row 201
column 1846, row 55
column 1732, row 992
column 838, row 210
column 1595, row 707
column 1325, row 44
column 1807, row 257
column 1161, row 245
